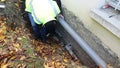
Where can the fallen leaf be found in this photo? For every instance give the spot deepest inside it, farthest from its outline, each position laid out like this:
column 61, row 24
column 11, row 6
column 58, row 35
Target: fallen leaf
column 53, row 62
column 23, row 36
column 13, row 58
column 19, row 38
column 2, row 37
column 65, row 60
column 16, row 4
column 46, row 65
column 21, row 66
column 17, row 45
column 109, row 66
column 22, row 58
column 45, row 58
column 57, row 64
column 2, row 31
column 53, row 51
column 4, row 19
column 3, row 65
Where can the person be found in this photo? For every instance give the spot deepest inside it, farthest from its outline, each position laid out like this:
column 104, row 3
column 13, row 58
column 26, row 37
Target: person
column 42, row 15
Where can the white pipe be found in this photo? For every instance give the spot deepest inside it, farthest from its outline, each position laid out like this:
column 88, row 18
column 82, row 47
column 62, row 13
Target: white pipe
column 82, row 43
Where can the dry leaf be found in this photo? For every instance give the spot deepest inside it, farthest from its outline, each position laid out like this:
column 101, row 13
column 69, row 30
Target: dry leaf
column 13, row 58
column 3, row 65
column 23, row 36
column 2, row 37
column 57, row 64
column 22, row 58
column 21, row 66
column 65, row 60
column 45, row 58
column 53, row 51
column 2, row 31
column 109, row 66
column 19, row 38
column 17, row 45
column 47, row 66
column 16, row 4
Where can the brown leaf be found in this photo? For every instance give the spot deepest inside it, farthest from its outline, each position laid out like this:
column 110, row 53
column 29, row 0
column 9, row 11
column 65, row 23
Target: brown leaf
column 57, row 64
column 65, row 60
column 13, row 58
column 2, row 31
column 2, row 37
column 17, row 5
column 46, row 65
column 22, row 57
column 3, row 65
column 21, row 66
column 109, row 66
column 53, row 51
column 17, row 45
column 19, row 38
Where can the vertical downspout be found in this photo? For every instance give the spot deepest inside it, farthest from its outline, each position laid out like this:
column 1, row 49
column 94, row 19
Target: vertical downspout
column 82, row 43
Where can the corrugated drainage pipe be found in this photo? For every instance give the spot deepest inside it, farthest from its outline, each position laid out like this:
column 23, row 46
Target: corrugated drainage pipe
column 82, row 43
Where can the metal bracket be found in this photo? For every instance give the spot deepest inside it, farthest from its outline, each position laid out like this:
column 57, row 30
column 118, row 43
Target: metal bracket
column 69, row 49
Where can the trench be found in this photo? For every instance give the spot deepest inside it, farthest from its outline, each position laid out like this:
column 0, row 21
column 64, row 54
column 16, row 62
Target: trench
column 14, row 20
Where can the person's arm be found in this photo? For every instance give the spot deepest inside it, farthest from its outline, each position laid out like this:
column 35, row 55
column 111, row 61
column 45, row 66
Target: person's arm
column 59, row 4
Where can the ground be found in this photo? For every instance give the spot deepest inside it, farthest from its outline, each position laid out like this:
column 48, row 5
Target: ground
column 18, row 48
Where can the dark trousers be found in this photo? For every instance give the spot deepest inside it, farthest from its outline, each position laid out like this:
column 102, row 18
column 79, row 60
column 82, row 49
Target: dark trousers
column 34, row 26
column 41, row 32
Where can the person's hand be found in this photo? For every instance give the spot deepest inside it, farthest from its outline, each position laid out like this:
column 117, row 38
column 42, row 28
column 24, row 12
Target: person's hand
column 61, row 16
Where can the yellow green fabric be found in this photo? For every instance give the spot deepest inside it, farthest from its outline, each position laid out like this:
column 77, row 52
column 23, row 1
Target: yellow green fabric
column 42, row 11
column 27, row 5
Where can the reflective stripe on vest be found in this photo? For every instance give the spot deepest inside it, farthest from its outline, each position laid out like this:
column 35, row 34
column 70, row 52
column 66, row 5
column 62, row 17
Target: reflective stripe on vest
column 53, row 6
column 34, row 16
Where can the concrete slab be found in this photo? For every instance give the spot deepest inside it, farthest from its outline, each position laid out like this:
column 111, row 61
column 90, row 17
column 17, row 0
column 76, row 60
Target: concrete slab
column 109, row 18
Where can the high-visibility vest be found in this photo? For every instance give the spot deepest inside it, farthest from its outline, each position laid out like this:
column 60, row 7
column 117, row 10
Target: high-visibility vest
column 42, row 11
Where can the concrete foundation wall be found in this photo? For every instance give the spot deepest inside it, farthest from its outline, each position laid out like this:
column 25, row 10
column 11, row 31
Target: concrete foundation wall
column 81, row 9
column 95, row 43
